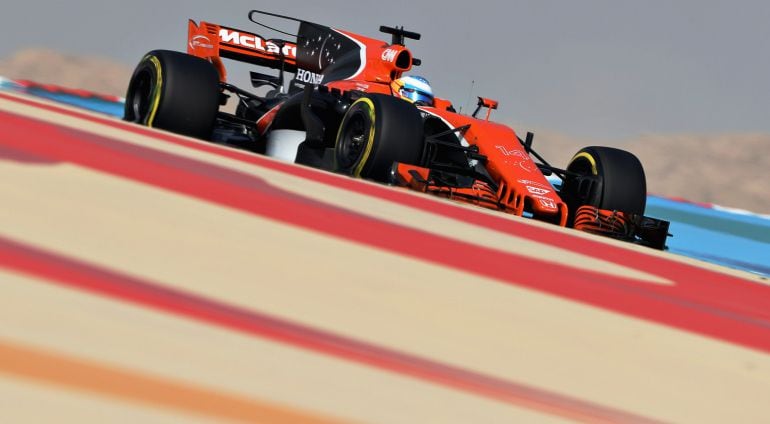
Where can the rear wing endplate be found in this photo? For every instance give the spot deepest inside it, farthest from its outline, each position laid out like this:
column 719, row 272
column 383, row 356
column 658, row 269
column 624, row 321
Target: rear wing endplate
column 214, row 42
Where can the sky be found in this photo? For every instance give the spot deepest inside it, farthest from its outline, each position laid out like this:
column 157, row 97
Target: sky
column 591, row 69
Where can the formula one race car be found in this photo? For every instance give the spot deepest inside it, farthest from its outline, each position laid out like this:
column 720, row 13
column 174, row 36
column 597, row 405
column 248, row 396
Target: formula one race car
column 346, row 111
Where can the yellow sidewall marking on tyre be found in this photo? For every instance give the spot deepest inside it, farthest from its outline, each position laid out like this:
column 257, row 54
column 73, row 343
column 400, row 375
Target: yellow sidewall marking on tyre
column 590, row 159
column 369, row 142
column 155, row 100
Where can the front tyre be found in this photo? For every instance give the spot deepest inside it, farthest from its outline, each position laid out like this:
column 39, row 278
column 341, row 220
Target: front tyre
column 174, row 91
column 610, row 179
column 376, row 131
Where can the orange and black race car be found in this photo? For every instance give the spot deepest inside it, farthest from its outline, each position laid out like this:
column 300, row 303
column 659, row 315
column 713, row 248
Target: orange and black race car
column 347, row 110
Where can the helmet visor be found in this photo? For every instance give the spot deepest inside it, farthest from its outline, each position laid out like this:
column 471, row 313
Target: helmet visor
column 418, row 97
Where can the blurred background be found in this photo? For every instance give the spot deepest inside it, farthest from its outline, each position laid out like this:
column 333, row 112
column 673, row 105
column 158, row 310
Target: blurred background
column 685, row 85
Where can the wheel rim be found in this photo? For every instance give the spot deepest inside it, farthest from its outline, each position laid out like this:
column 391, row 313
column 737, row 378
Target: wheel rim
column 140, row 97
column 355, row 135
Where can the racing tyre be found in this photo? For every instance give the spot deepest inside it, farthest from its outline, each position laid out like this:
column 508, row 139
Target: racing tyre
column 376, row 131
column 176, row 92
column 620, row 186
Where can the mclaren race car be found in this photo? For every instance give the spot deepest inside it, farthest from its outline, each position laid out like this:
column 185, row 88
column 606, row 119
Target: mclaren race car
column 343, row 111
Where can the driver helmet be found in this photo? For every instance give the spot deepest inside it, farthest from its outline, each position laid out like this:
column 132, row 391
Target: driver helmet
column 414, row 89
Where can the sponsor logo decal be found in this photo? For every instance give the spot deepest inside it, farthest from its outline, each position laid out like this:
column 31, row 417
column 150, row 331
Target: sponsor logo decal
column 256, row 43
column 547, row 203
column 201, row 41
column 525, row 163
column 389, row 55
column 537, row 190
column 308, row 77
column 504, row 150
column 534, row 183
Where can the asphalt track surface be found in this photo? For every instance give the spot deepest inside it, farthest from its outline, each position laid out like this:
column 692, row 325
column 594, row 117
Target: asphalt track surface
column 147, row 277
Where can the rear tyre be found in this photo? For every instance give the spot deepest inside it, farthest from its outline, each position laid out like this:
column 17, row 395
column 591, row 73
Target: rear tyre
column 621, row 184
column 376, row 131
column 176, row 92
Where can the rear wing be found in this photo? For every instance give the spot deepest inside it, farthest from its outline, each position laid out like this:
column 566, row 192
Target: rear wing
column 213, row 42
column 318, row 54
